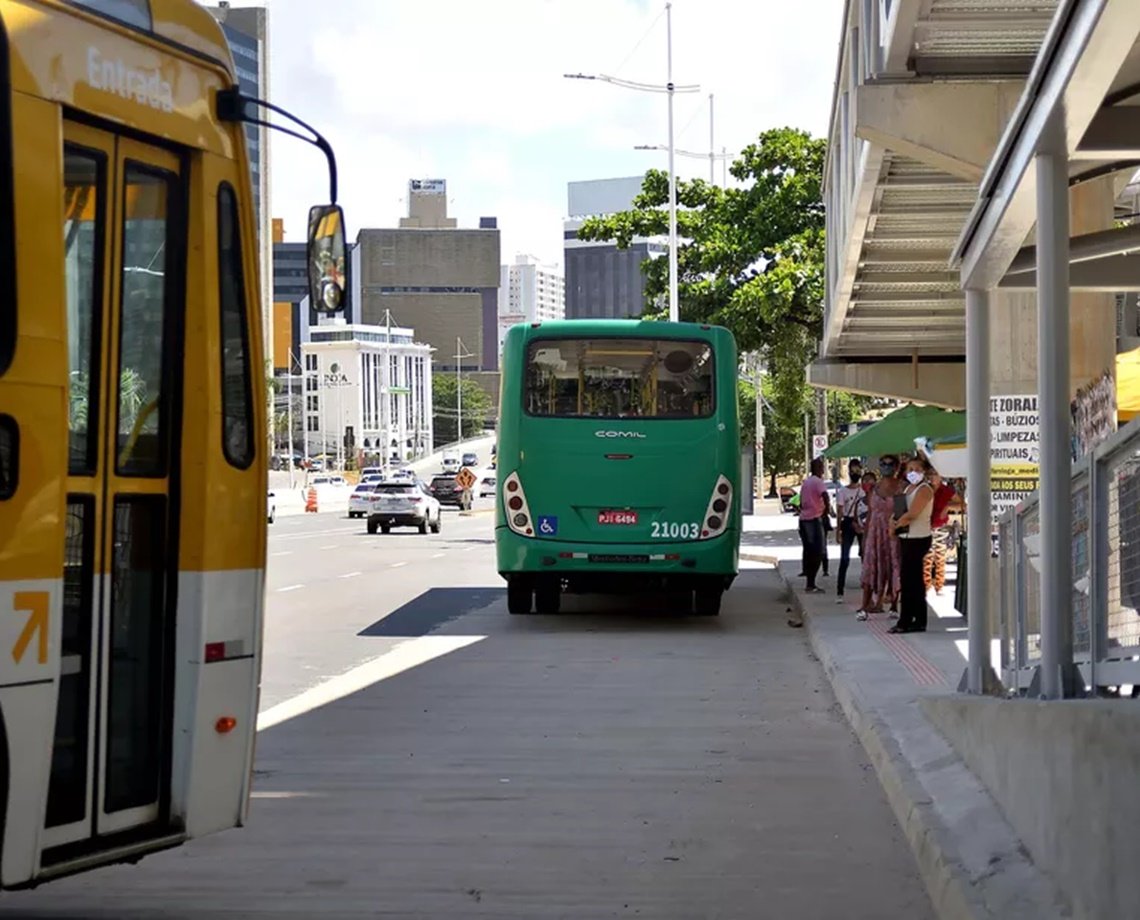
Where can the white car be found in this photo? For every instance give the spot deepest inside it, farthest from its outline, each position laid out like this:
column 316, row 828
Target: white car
column 487, row 486
column 271, row 508
column 360, row 501
column 371, row 479
column 403, row 504
column 404, row 475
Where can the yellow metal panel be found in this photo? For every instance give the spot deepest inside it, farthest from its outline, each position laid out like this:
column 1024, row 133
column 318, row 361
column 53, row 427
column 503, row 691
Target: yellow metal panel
column 33, row 390
column 97, row 66
column 223, row 510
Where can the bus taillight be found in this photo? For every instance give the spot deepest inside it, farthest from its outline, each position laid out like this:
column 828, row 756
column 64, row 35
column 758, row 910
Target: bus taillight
column 717, row 513
column 517, row 512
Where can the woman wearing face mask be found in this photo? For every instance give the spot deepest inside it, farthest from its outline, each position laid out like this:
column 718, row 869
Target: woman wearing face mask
column 880, row 548
column 851, row 501
column 913, row 531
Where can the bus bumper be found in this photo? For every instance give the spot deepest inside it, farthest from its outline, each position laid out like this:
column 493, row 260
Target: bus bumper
column 668, row 560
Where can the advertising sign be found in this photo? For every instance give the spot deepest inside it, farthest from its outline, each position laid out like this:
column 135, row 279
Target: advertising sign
column 1015, row 451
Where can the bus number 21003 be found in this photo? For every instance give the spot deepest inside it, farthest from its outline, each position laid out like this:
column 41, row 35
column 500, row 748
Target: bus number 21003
column 673, row 530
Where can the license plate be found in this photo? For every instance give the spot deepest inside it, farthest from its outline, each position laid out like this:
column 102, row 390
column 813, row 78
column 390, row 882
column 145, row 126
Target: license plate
column 617, row 557
column 617, row 517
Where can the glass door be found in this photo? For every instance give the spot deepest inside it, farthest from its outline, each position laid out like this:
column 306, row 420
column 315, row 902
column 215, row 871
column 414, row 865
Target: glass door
column 124, row 240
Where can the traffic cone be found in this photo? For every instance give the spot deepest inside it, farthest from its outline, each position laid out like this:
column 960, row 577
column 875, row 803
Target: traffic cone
column 311, row 499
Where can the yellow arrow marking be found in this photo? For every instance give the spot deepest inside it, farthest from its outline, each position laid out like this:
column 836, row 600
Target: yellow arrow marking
column 36, row 603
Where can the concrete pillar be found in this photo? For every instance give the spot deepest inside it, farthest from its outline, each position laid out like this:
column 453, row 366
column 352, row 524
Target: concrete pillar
column 979, row 678
column 1053, row 359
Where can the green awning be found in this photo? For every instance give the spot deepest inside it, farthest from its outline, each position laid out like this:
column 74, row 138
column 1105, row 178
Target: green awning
column 897, row 432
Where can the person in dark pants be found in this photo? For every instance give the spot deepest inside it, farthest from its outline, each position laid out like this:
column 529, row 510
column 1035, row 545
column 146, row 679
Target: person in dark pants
column 913, row 530
column 852, row 502
column 813, row 506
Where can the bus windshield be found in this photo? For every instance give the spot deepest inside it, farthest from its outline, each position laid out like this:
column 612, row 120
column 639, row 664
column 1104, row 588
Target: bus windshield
column 619, row 378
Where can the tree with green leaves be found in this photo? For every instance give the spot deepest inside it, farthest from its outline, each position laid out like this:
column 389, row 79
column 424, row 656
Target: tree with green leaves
column 477, row 408
column 752, row 260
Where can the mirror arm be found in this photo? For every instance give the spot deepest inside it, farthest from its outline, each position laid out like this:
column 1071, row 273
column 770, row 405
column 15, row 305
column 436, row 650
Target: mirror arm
column 232, row 105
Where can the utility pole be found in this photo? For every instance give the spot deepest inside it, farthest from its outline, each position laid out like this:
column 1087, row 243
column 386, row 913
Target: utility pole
column 460, row 354
column 289, row 409
column 712, row 145
column 759, row 428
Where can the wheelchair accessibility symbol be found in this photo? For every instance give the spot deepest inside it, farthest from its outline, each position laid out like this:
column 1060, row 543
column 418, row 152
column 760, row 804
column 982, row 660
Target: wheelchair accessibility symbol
column 547, row 526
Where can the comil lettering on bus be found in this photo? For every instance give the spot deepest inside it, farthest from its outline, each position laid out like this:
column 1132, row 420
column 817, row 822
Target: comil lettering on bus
column 618, row 434
column 115, row 76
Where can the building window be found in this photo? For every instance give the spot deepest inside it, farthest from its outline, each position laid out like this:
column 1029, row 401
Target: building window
column 310, row 362
column 312, row 424
column 313, row 403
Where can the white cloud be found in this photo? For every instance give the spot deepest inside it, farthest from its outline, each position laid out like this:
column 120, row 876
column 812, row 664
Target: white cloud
column 474, row 93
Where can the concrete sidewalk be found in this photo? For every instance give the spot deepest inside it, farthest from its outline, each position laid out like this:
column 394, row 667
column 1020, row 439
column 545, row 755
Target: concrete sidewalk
column 971, row 860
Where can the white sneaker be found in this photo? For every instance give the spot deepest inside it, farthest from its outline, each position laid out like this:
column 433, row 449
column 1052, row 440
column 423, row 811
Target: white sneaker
column 861, row 615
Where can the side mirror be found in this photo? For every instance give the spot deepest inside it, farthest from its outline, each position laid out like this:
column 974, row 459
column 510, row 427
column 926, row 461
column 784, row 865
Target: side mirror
column 326, row 258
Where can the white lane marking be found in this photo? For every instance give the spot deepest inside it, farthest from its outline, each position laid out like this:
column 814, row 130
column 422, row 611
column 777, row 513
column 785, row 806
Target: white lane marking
column 396, row 565
column 287, row 552
column 330, row 546
column 439, row 555
column 399, row 658
column 351, row 574
column 290, row 588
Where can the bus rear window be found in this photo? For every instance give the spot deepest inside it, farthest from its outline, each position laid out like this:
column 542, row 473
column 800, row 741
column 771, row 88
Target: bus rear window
column 619, row 378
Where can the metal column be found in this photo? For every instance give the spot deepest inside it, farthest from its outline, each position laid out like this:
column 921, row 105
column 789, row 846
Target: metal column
column 1054, row 413
column 979, row 677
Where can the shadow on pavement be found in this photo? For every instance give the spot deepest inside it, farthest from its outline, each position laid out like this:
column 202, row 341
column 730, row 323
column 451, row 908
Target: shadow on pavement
column 432, row 609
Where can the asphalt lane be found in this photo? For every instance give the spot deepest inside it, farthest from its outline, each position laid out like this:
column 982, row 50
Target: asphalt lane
column 328, row 581
column 615, row 760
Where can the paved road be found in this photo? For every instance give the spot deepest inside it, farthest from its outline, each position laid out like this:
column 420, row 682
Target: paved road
column 615, row 760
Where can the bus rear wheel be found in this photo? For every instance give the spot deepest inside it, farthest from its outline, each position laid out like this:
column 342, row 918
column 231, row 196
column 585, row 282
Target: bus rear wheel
column 519, row 596
column 706, row 600
column 548, row 595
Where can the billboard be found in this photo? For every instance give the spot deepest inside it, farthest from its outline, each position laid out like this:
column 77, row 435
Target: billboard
column 427, row 186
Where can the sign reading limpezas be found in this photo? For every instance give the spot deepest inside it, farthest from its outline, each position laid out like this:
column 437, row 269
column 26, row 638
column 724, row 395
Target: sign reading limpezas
column 1015, row 451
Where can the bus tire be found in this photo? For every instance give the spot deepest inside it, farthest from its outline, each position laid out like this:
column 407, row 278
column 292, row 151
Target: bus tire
column 548, row 595
column 706, row 600
column 519, row 596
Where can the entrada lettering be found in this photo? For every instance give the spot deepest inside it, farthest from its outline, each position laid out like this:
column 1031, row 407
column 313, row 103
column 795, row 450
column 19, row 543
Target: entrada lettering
column 114, row 76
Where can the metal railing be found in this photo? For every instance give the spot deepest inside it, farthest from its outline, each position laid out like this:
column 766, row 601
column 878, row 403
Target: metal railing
column 1105, row 604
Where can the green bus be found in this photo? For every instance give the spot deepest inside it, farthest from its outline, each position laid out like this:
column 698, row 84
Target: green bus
column 618, row 461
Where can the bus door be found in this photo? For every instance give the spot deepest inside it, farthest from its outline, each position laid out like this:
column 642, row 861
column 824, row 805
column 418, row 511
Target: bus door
column 124, row 231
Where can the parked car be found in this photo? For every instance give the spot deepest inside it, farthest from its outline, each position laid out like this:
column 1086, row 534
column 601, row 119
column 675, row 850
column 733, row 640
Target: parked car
column 470, row 459
column 360, row 501
column 271, row 508
column 403, row 504
column 487, row 487
column 447, row 491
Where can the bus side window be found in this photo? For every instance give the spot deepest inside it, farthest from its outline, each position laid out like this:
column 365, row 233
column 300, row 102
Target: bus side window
column 9, row 456
column 237, row 397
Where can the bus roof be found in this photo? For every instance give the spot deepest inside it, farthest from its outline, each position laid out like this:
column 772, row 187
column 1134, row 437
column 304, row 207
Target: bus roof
column 600, row 328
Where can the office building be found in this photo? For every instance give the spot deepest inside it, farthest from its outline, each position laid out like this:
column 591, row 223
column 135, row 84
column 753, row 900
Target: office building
column 247, row 32
column 530, row 291
column 367, row 393
column 602, row 281
column 430, row 274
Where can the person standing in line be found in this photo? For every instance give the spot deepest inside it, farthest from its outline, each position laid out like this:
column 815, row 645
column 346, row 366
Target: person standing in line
column 813, row 506
column 934, row 565
column 913, row 530
column 881, row 559
column 852, row 502
column 855, row 469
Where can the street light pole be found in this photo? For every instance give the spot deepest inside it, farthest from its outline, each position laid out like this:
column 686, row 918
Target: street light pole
column 759, row 428
column 674, row 309
column 712, row 147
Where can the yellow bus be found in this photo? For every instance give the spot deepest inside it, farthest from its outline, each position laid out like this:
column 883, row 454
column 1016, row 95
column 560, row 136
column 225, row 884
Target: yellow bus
column 132, row 432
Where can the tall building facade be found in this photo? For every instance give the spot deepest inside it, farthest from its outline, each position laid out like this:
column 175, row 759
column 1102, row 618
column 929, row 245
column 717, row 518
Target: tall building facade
column 247, row 33
column 435, row 276
column 367, row 393
column 602, row 281
column 530, row 291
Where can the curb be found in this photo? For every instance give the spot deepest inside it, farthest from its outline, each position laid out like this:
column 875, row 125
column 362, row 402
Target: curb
column 953, row 894
column 760, row 557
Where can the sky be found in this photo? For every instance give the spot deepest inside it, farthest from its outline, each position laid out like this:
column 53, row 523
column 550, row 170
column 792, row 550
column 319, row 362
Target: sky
column 474, row 93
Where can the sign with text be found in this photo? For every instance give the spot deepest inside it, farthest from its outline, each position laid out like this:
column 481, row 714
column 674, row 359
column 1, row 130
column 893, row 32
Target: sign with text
column 1015, row 451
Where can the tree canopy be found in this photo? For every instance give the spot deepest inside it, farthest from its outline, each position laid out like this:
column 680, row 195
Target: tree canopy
column 477, row 408
column 751, row 259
